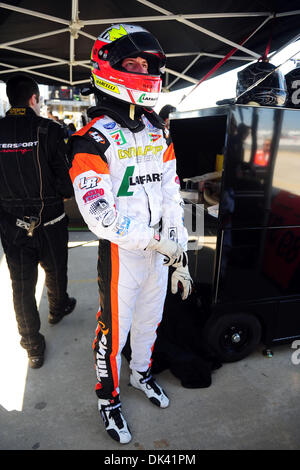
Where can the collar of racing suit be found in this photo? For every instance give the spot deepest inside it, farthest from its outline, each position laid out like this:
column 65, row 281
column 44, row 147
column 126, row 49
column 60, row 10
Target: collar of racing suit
column 20, row 111
column 119, row 112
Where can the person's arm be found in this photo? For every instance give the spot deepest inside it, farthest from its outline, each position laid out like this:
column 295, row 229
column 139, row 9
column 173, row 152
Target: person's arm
column 173, row 213
column 58, row 160
column 173, row 225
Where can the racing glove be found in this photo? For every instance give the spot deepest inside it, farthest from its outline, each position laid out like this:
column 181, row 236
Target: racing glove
column 181, row 277
column 172, row 251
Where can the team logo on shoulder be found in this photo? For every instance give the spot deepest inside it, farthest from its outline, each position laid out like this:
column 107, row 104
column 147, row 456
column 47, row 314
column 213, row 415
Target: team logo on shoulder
column 97, row 136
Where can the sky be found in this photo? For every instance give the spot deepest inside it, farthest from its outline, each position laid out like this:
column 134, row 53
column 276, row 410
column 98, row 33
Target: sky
column 207, row 93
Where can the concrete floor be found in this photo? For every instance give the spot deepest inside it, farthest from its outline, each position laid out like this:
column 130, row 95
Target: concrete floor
column 251, row 404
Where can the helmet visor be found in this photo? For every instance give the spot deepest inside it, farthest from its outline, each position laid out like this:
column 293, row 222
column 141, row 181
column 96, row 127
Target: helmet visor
column 131, row 45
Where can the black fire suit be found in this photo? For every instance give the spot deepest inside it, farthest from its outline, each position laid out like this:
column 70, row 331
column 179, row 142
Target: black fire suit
column 34, row 180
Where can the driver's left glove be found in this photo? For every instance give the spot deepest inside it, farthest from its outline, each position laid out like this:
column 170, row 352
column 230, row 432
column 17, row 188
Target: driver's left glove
column 182, row 275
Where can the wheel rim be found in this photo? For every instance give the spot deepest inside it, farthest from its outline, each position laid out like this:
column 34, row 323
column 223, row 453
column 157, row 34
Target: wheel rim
column 235, row 338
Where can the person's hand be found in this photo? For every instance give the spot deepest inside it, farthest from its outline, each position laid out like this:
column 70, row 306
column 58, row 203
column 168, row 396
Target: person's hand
column 181, row 276
column 172, row 251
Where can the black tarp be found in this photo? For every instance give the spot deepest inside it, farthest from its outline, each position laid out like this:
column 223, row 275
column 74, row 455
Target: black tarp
column 175, row 37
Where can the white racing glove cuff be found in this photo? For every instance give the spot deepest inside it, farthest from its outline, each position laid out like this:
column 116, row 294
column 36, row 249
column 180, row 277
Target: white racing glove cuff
column 172, row 251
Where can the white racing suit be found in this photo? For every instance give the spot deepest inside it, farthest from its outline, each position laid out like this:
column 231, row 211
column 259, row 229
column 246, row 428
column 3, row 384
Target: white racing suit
column 125, row 184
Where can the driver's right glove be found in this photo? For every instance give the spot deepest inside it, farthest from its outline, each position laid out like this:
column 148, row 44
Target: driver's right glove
column 172, row 251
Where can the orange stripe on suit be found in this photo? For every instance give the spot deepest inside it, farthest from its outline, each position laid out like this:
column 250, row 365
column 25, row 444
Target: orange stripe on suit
column 114, row 313
column 169, row 153
column 84, row 129
column 85, row 162
column 153, row 346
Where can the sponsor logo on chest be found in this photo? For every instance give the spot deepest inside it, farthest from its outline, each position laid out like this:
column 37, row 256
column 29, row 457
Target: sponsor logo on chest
column 147, row 151
column 129, row 181
column 149, row 178
column 118, row 137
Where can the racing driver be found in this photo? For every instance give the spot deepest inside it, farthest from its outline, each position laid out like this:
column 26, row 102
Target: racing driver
column 127, row 190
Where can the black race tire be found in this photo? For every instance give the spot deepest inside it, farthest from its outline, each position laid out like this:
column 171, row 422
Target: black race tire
column 232, row 337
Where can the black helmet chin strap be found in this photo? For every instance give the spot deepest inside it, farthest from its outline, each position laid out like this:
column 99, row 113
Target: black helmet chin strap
column 118, row 112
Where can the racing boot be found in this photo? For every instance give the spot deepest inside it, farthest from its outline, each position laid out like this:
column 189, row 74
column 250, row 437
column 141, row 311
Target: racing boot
column 56, row 318
column 145, row 382
column 36, row 355
column 115, row 424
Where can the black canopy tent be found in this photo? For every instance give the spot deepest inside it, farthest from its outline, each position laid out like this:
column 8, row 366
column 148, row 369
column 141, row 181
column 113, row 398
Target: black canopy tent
column 52, row 40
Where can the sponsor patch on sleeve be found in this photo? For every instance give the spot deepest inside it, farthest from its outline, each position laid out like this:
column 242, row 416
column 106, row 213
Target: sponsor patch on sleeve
column 94, row 136
column 102, row 211
column 92, row 194
column 97, row 136
column 122, row 226
column 89, row 182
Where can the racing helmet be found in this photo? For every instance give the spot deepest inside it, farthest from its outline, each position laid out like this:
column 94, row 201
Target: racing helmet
column 116, row 43
column 293, row 88
column 269, row 92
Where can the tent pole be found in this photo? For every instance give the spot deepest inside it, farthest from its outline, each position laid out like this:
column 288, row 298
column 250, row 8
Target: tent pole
column 32, row 38
column 38, row 14
column 181, row 19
